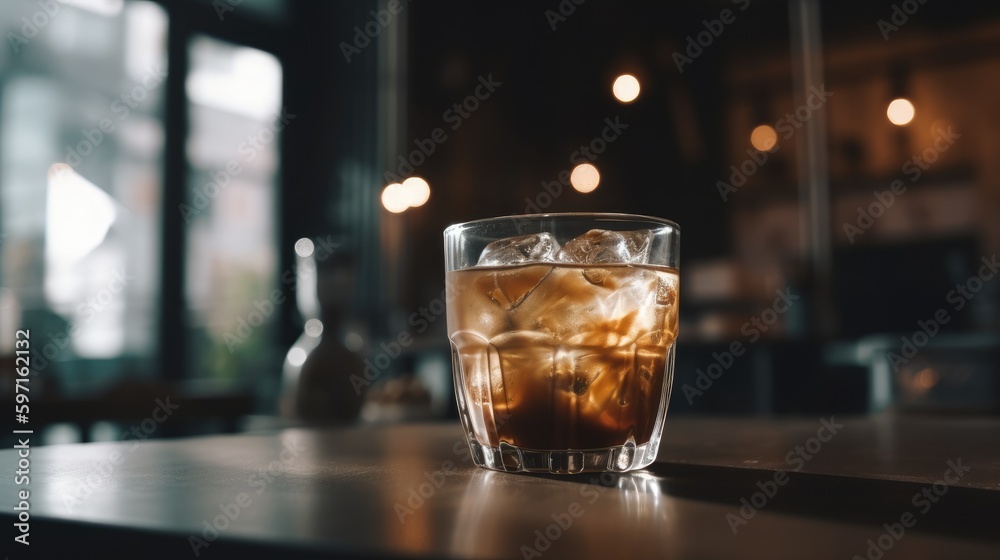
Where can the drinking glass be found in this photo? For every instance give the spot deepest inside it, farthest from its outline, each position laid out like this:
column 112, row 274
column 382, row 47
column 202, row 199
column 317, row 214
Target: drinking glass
column 562, row 330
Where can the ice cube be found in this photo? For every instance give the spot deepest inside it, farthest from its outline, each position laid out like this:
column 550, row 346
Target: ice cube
column 512, row 286
column 537, row 247
column 595, row 276
column 620, row 309
column 570, row 307
column 557, row 305
column 666, row 290
column 603, row 246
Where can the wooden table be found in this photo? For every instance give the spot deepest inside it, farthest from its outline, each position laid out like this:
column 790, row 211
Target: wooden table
column 411, row 491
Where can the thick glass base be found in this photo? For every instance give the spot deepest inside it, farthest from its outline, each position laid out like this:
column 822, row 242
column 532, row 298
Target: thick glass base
column 509, row 458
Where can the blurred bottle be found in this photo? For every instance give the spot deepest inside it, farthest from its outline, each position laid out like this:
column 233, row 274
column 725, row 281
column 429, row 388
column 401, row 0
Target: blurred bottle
column 319, row 365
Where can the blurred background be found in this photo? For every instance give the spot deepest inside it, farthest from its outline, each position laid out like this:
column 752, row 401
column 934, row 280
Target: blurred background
column 207, row 206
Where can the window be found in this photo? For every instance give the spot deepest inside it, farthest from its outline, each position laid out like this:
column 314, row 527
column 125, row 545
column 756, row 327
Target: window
column 81, row 161
column 235, row 116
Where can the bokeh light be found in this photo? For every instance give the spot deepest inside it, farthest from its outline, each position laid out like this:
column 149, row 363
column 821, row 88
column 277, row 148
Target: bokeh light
column 297, row 356
column 417, row 191
column 927, row 378
column 585, row 178
column 354, row 341
column 900, row 111
column 626, row 88
column 304, row 247
column 394, row 198
column 764, row 138
column 314, row 327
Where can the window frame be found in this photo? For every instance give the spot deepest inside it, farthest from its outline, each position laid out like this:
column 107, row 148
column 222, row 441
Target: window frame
column 188, row 19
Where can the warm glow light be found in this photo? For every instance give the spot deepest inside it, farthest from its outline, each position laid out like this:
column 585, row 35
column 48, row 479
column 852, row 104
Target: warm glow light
column 585, row 178
column 927, row 378
column 764, row 138
column 626, row 88
column 394, row 198
column 416, row 191
column 304, row 247
column 900, row 111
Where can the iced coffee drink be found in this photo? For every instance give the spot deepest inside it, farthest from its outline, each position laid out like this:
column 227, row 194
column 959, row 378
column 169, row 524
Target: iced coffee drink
column 563, row 348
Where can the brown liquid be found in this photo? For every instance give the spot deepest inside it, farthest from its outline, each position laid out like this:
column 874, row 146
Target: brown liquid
column 555, row 357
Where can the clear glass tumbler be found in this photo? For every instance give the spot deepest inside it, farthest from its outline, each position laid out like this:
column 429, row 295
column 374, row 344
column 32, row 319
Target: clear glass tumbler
column 562, row 330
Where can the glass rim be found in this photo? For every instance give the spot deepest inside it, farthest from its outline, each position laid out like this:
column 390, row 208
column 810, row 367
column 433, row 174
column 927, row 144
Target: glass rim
column 613, row 215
